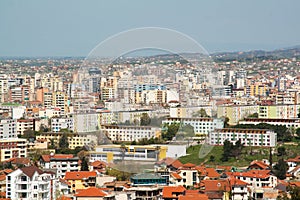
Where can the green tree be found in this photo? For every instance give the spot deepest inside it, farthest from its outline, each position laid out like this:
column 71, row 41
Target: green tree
column 281, row 151
column 172, row 129
column 212, row 158
column 200, row 113
column 145, row 120
column 227, row 147
column 294, row 192
column 280, row 169
column 63, row 141
column 84, row 164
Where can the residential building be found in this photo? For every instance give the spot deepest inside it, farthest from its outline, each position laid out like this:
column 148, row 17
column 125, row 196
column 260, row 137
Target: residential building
column 289, row 123
column 62, row 163
column 8, row 128
column 62, row 123
column 75, row 140
column 30, row 183
column 13, row 148
column 81, row 180
column 130, row 133
column 202, row 126
column 248, row 137
column 187, row 175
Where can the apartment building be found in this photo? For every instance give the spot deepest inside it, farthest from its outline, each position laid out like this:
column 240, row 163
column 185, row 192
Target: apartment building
column 13, row 148
column 62, row 163
column 75, row 140
column 62, row 123
column 25, row 124
column 289, row 123
column 202, row 126
column 236, row 113
column 248, row 137
column 8, row 128
column 30, row 183
column 129, row 133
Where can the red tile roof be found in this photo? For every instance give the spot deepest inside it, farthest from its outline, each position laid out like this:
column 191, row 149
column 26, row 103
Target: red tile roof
column 172, row 191
column 47, row 158
column 193, row 197
column 79, row 175
column 176, row 164
column 91, row 192
column 251, row 174
column 215, row 185
column 175, row 175
column 259, row 164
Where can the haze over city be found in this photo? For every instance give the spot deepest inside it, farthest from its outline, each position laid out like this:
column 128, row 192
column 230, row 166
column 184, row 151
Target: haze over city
column 149, row 100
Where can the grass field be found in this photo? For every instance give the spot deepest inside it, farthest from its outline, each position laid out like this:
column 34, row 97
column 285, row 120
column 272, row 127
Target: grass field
column 258, row 153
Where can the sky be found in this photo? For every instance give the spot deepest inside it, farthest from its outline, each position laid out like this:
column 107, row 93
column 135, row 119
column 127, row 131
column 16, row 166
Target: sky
column 75, row 27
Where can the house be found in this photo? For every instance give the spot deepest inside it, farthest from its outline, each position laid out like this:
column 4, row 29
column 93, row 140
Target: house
column 216, row 189
column 93, row 193
column 195, row 195
column 186, row 175
column 30, row 183
column 81, row 180
column 172, row 192
column 207, row 173
column 258, row 165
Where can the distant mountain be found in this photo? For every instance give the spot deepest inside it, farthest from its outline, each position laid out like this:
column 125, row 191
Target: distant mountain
column 290, row 52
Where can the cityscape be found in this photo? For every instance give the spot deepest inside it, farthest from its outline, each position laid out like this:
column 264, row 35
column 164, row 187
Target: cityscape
column 148, row 113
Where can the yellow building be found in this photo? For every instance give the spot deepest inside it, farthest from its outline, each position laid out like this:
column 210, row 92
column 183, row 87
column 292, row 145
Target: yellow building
column 81, row 180
column 75, row 140
column 236, row 113
column 256, row 90
column 60, row 100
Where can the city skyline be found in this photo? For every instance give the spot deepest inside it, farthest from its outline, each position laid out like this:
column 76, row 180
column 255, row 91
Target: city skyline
column 34, row 28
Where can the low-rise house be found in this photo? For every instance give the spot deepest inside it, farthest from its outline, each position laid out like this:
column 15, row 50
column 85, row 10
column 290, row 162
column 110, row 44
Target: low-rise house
column 93, row 193
column 172, row 192
column 81, row 180
column 187, row 175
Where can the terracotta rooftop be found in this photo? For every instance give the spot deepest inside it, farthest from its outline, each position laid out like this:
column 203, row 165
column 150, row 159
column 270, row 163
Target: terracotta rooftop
column 47, row 158
column 79, row 175
column 91, row 192
column 193, row 197
column 170, row 191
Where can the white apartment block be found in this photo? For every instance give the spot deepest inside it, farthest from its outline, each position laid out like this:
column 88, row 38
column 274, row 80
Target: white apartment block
column 202, row 126
column 295, row 123
column 130, row 133
column 8, row 128
column 13, row 148
column 86, row 122
column 248, row 137
column 30, row 183
column 62, row 163
column 25, row 124
column 62, row 123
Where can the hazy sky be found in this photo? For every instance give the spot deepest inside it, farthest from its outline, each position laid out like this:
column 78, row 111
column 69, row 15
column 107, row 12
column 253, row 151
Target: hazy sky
column 75, row 27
